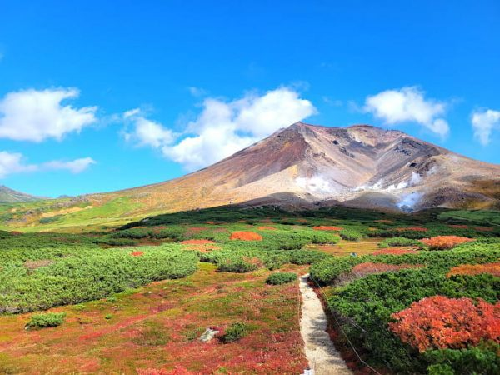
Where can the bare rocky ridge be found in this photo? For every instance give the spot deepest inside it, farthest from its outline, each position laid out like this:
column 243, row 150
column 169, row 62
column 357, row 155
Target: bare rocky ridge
column 310, row 166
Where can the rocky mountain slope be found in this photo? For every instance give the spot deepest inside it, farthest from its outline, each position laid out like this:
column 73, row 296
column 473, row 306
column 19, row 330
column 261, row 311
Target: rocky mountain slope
column 305, row 165
column 299, row 167
column 7, row 195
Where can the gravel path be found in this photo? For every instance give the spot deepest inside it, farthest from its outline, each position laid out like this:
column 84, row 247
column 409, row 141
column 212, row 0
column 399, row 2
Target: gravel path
column 323, row 358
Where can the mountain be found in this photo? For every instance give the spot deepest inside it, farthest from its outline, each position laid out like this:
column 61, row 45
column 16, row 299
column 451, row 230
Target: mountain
column 299, row 167
column 7, row 195
column 307, row 166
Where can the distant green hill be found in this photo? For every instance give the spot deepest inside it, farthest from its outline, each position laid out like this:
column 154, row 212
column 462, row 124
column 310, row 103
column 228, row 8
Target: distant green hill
column 7, row 195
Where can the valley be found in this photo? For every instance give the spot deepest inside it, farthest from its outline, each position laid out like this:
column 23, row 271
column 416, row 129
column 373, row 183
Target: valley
column 139, row 298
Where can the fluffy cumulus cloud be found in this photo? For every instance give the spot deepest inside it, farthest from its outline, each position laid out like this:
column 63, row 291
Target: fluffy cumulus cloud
column 34, row 116
column 483, row 123
column 146, row 132
column 408, row 104
column 13, row 162
column 225, row 127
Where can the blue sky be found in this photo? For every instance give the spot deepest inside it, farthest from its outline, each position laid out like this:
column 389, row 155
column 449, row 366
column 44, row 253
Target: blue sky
column 98, row 97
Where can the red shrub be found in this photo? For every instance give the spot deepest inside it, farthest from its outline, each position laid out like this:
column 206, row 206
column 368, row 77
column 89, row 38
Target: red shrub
column 368, row 268
column 475, row 269
column 246, row 236
column 394, row 251
column 445, row 242
column 413, row 229
column 136, row 253
column 328, row 228
column 440, row 322
column 484, row 229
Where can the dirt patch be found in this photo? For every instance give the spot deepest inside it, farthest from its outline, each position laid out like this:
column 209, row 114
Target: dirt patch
column 34, row 264
column 335, row 229
column 200, row 245
column 246, row 236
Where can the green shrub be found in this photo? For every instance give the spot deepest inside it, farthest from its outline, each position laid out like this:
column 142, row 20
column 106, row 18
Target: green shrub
column 46, row 320
column 481, row 359
column 350, row 235
column 235, row 332
column 279, row 278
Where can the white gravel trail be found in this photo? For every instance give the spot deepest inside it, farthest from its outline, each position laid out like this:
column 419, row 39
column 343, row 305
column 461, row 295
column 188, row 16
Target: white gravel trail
column 323, row 358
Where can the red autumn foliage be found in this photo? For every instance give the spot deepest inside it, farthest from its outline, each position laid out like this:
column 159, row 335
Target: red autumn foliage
column 439, row 322
column 413, row 229
column 445, row 242
column 394, row 251
column 475, row 269
column 368, row 268
column 178, row 370
column 266, row 228
column 484, row 229
column 458, row 226
column 328, row 228
column 136, row 253
column 246, row 236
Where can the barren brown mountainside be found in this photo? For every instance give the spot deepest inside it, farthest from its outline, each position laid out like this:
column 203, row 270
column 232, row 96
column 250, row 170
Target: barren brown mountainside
column 307, row 166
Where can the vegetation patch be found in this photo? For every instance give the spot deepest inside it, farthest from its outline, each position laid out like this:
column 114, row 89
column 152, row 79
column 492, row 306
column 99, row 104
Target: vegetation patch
column 50, row 319
column 279, row 278
column 246, row 236
column 440, row 322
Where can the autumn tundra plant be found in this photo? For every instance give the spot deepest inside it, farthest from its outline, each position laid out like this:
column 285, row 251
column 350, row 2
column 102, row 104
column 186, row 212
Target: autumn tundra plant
column 51, row 319
column 279, row 278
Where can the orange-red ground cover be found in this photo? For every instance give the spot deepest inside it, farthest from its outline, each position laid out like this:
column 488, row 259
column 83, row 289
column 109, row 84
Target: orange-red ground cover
column 413, row 229
column 484, row 229
column 328, row 228
column 136, row 253
column 246, row 236
column 475, row 269
column 440, row 322
column 155, row 330
column 395, row 251
column 460, row 226
column 266, row 228
column 445, row 242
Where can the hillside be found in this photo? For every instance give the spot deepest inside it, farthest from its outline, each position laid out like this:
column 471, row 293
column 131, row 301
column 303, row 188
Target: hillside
column 299, row 167
column 8, row 195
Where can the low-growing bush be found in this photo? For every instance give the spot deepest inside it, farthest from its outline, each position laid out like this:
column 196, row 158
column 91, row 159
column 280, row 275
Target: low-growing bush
column 399, row 242
column 235, row 332
column 50, row 319
column 439, row 323
column 279, row 278
column 444, row 242
column 350, row 235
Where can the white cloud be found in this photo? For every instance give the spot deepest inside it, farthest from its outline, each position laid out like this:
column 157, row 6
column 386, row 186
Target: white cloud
column 483, row 123
column 75, row 166
column 225, row 127
column 197, row 91
column 408, row 105
column 147, row 132
column 12, row 162
column 32, row 115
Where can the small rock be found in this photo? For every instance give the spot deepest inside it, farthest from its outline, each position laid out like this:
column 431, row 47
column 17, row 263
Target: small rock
column 208, row 335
